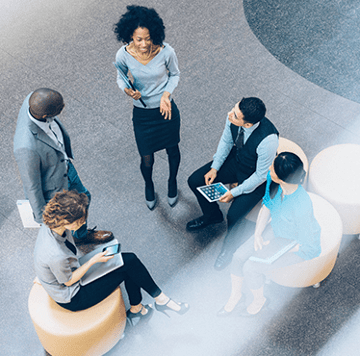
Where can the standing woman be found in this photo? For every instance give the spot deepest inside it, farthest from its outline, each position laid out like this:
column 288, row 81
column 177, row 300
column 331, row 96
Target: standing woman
column 154, row 67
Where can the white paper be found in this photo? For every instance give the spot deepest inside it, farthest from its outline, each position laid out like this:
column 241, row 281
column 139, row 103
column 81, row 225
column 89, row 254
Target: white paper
column 26, row 214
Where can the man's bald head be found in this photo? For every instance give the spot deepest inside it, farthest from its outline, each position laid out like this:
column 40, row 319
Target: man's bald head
column 45, row 103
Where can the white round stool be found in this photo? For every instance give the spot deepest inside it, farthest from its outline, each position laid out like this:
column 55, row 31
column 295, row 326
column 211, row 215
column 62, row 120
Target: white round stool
column 335, row 175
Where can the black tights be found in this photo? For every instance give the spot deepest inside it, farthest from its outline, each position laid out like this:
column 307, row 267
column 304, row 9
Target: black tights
column 146, row 167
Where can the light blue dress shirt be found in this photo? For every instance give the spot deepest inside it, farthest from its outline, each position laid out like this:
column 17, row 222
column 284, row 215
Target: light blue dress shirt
column 151, row 80
column 266, row 152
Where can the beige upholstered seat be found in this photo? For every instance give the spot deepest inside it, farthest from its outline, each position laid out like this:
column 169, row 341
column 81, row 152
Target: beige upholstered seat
column 312, row 272
column 285, row 145
column 335, row 175
column 93, row 331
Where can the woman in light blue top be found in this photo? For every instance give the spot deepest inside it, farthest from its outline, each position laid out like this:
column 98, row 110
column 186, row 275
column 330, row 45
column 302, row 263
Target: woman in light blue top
column 154, row 67
column 292, row 217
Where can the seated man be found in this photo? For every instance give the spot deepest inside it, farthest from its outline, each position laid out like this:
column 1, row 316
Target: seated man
column 245, row 152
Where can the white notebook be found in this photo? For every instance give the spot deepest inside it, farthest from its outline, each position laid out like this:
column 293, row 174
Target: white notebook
column 276, row 248
column 26, row 214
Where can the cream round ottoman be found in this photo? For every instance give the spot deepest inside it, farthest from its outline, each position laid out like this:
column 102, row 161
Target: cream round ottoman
column 285, row 145
column 335, row 175
column 93, row 331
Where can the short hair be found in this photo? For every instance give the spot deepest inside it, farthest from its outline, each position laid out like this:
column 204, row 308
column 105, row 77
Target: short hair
column 140, row 16
column 45, row 101
column 289, row 168
column 253, row 109
column 65, row 208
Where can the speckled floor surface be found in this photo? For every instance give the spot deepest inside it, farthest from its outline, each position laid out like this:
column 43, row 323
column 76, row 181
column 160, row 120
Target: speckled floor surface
column 70, row 46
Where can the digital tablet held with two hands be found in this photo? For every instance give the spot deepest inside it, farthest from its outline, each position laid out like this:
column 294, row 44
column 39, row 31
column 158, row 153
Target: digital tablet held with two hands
column 213, row 192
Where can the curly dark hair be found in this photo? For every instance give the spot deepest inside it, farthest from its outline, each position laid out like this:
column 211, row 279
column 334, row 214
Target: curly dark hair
column 65, row 208
column 140, row 16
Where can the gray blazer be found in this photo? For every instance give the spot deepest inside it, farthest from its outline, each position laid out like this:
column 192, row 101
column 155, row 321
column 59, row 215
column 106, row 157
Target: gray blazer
column 42, row 166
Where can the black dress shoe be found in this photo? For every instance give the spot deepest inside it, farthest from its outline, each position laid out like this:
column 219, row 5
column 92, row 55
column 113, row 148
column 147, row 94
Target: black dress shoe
column 223, row 260
column 95, row 237
column 202, row 222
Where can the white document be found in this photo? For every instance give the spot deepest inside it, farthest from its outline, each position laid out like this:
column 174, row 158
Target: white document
column 26, row 214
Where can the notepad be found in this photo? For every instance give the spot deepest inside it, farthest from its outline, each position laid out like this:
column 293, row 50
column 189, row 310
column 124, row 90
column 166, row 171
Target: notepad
column 276, row 248
column 26, row 214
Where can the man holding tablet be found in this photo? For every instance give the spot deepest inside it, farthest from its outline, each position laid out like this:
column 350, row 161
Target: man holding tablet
column 245, row 152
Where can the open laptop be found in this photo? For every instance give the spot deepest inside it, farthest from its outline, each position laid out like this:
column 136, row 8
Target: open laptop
column 102, row 268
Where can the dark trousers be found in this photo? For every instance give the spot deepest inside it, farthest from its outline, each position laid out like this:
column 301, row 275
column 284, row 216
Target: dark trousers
column 240, row 206
column 133, row 272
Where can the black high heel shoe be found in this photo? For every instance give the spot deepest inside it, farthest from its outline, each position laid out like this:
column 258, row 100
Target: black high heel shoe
column 184, row 307
column 135, row 318
column 150, row 197
column 172, row 194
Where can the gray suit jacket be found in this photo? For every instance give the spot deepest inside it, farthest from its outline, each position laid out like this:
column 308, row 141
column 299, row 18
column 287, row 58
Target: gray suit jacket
column 42, row 166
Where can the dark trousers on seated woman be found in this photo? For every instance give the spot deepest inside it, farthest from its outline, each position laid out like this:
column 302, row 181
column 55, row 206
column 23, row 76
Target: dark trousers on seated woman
column 133, row 273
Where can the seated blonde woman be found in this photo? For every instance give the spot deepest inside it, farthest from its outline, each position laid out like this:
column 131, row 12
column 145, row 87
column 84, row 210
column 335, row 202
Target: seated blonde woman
column 292, row 217
column 58, row 269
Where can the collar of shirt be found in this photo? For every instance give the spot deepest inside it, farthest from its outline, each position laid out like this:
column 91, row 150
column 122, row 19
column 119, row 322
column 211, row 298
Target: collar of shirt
column 249, row 130
column 45, row 126
column 60, row 238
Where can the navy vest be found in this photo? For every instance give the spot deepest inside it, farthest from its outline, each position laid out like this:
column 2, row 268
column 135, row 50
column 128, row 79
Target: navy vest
column 248, row 156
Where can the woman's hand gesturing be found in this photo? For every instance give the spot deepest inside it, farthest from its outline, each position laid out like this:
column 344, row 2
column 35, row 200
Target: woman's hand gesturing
column 165, row 105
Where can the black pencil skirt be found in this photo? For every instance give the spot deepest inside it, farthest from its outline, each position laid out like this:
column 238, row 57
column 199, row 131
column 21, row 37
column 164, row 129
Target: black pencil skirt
column 154, row 133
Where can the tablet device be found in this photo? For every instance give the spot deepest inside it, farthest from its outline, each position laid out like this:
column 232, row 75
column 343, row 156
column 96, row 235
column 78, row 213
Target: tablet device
column 275, row 249
column 213, row 192
column 102, row 268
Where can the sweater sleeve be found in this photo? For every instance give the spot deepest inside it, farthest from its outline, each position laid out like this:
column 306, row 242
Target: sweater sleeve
column 171, row 63
column 120, row 62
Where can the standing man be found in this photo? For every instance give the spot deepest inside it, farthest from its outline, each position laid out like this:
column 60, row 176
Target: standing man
column 43, row 151
column 245, row 152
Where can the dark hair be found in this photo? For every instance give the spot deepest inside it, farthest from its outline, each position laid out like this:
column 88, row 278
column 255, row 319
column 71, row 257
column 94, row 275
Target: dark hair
column 65, row 208
column 289, row 168
column 140, row 16
column 45, row 101
column 253, row 109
